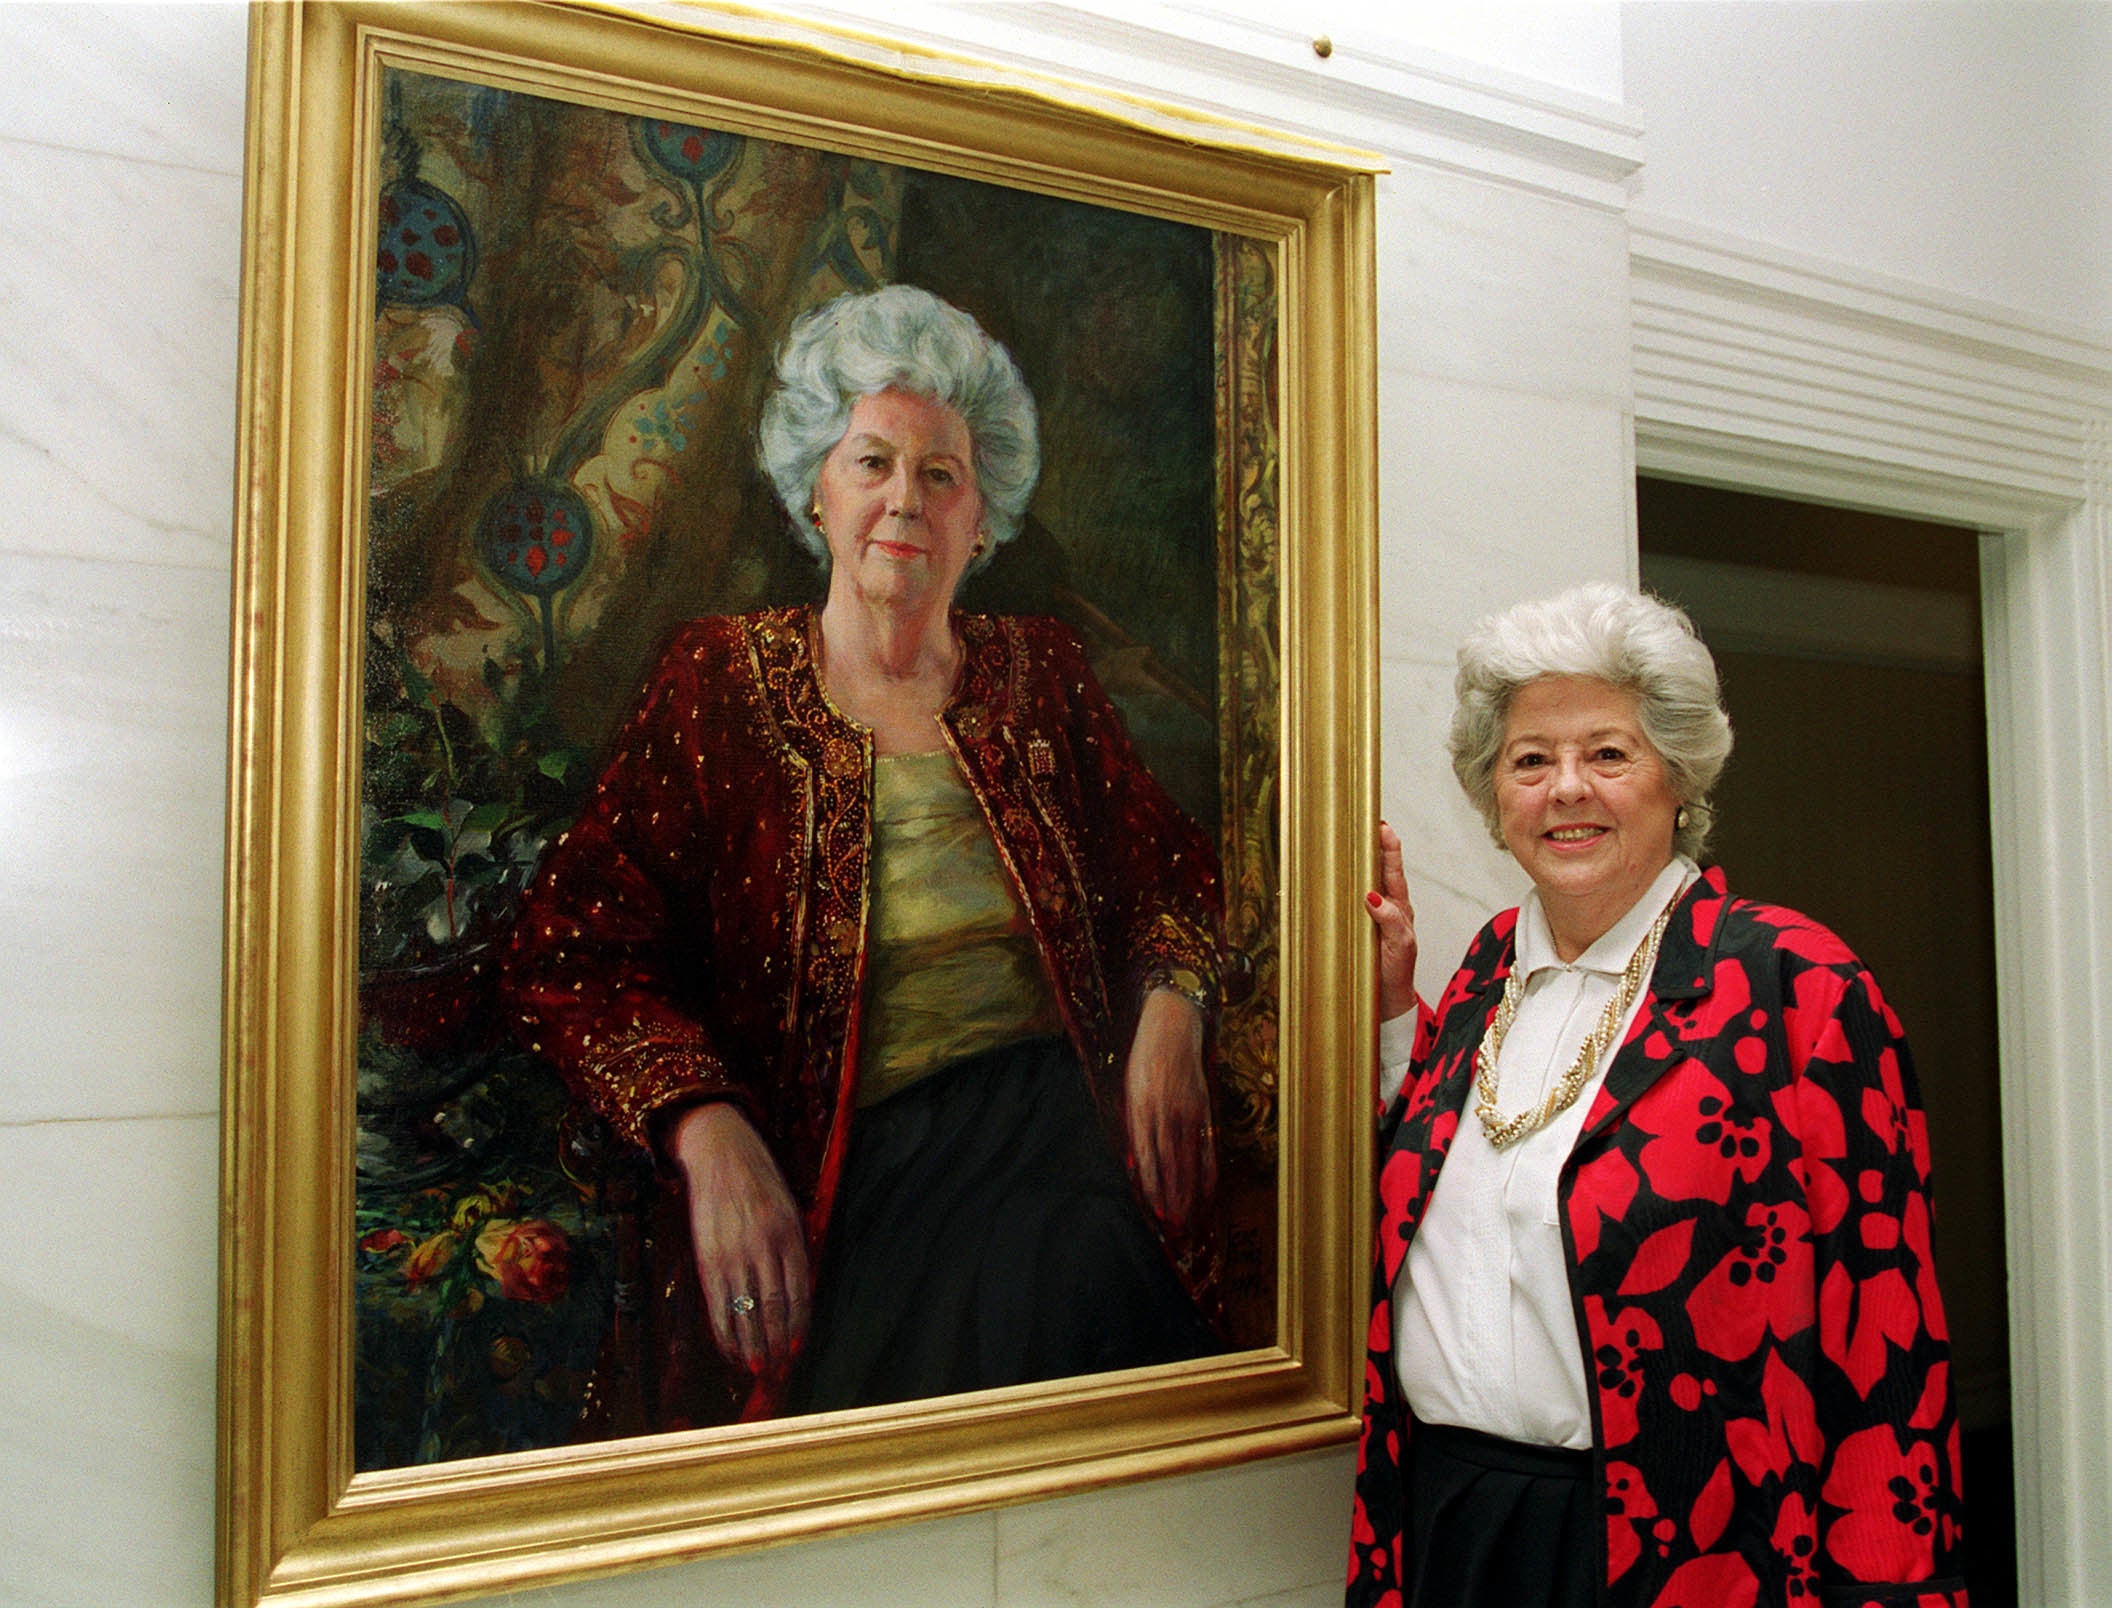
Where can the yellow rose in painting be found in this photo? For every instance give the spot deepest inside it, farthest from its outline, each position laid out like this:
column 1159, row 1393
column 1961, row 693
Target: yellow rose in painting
column 485, row 1201
column 429, row 1257
column 530, row 1261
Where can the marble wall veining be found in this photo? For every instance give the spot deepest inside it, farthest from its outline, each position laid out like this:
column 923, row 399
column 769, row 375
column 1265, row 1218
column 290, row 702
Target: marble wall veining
column 1504, row 463
column 120, row 178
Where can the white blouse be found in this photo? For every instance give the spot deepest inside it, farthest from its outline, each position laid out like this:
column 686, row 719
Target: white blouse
column 1485, row 1336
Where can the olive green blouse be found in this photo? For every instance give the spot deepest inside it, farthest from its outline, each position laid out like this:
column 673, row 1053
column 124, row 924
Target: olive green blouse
column 951, row 965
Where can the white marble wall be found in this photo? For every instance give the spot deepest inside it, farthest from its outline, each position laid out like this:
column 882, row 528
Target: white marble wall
column 120, row 184
column 1505, row 465
column 1505, row 470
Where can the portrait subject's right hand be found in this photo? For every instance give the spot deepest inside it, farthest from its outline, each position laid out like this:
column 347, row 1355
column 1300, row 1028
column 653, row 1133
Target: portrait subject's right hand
column 1394, row 918
column 750, row 1244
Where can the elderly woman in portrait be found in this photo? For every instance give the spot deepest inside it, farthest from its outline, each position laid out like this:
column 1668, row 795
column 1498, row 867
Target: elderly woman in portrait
column 879, row 939
column 1655, row 1320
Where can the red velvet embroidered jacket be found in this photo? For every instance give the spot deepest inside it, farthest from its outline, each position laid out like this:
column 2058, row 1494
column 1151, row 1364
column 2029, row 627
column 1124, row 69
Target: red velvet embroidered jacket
column 1746, row 1213
column 699, row 932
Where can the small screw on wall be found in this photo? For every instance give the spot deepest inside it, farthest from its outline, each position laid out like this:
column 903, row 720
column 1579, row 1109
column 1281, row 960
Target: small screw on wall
column 1323, row 47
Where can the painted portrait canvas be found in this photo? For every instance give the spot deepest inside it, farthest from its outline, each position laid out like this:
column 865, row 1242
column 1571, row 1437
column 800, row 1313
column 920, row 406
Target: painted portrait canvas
column 578, row 316
column 802, row 756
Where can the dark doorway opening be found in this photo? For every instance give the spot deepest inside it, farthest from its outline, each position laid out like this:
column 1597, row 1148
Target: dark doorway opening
column 1849, row 646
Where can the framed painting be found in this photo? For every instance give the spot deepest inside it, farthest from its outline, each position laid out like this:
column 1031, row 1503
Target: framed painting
column 692, row 1080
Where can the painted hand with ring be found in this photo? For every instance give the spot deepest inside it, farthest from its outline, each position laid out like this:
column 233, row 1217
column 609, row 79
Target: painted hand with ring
column 751, row 1247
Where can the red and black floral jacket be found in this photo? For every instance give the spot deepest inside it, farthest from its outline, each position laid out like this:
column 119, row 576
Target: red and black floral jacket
column 1746, row 1213
column 699, row 932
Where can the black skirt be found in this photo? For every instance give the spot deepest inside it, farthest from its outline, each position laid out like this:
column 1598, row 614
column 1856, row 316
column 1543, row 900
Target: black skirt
column 984, row 1234
column 1496, row 1524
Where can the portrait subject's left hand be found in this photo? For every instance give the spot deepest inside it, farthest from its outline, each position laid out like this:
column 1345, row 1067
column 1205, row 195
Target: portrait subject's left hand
column 1171, row 1142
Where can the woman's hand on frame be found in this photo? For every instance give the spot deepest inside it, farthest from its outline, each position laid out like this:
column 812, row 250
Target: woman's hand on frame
column 751, row 1246
column 1394, row 919
column 1171, row 1142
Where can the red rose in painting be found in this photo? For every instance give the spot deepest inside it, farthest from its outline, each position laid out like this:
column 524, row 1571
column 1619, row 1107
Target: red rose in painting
column 1704, row 1139
column 1763, row 1284
column 1893, row 1500
column 530, row 1261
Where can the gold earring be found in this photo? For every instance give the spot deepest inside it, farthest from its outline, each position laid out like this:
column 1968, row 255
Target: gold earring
column 814, row 518
column 982, row 544
column 1679, row 819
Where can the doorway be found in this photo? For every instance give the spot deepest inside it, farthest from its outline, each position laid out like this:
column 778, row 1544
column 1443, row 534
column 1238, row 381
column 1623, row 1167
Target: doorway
column 1849, row 649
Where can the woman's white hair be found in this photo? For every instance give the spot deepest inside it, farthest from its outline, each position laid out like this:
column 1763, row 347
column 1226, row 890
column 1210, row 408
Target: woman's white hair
column 906, row 339
column 1629, row 640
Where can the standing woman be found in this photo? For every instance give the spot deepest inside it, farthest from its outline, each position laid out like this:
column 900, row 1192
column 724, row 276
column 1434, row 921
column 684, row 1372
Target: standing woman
column 1655, row 1316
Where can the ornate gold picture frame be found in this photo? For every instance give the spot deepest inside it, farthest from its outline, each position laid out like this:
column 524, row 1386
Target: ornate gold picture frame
column 419, row 704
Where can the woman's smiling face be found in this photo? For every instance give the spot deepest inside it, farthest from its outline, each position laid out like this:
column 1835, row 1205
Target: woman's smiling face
column 899, row 505
column 1584, row 803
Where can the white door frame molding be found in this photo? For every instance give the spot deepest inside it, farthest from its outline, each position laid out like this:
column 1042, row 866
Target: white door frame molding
column 1761, row 370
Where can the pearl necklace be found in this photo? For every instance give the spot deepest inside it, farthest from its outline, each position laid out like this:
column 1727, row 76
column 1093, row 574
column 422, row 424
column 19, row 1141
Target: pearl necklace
column 1502, row 1130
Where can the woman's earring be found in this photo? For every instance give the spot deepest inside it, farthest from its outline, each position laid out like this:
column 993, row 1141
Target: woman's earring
column 1679, row 819
column 982, row 544
column 814, row 518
